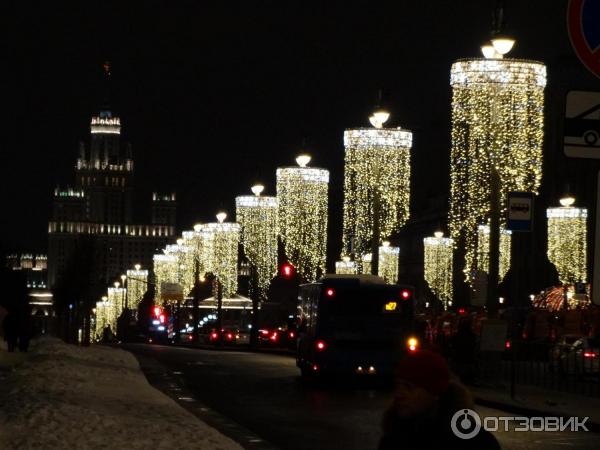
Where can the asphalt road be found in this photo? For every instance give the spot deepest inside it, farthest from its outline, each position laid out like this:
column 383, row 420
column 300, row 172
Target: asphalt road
column 259, row 400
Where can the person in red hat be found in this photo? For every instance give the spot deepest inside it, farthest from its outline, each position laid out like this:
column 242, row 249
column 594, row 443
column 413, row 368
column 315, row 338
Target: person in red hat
column 426, row 400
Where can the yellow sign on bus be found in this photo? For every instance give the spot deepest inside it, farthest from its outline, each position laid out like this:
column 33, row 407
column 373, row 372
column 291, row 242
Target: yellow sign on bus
column 391, row 306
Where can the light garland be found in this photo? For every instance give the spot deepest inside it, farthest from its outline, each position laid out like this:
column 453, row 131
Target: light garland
column 497, row 120
column 388, row 263
column 104, row 318
column 345, row 267
column 375, row 159
column 303, row 207
column 116, row 304
column 438, row 267
column 567, row 242
column 165, row 270
column 219, row 253
column 482, row 261
column 257, row 217
column 137, row 285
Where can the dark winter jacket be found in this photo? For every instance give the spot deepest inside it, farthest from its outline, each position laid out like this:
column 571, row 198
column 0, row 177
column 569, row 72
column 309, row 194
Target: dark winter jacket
column 433, row 430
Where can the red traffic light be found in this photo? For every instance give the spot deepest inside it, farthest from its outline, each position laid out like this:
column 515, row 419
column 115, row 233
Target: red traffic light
column 287, row 270
column 157, row 311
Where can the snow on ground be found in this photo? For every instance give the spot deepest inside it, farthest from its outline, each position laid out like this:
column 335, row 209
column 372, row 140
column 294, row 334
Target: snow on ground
column 59, row 396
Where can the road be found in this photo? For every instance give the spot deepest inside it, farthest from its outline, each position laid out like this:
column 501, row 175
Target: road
column 259, row 400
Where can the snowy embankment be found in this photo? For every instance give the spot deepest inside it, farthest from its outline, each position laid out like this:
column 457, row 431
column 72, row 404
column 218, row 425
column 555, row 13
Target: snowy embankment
column 60, row 396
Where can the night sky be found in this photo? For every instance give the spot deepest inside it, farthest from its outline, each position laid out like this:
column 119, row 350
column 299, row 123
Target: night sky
column 214, row 96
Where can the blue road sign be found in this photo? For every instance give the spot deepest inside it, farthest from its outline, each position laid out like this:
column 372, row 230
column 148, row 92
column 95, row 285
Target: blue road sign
column 520, row 211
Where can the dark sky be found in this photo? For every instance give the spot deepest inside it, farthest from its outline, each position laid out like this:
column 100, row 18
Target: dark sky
column 215, row 95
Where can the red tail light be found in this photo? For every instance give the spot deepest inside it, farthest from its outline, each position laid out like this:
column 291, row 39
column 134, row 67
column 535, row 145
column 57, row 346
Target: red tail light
column 213, row 335
column 330, row 292
column 405, row 294
column 229, row 336
column 320, row 345
column 274, row 336
column 162, row 318
column 507, row 344
column 590, row 354
column 191, row 338
column 292, row 335
column 462, row 310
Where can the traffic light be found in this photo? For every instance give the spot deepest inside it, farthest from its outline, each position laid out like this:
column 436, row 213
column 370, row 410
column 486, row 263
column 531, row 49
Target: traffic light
column 287, row 270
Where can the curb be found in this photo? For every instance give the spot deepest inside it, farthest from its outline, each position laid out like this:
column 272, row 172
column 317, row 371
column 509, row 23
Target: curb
column 593, row 427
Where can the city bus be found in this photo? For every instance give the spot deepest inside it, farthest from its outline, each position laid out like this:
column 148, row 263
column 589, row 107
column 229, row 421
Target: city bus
column 354, row 324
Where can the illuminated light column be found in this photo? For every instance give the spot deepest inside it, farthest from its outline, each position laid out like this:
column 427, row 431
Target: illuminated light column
column 257, row 216
column 388, row 262
column 567, row 241
column 497, row 127
column 376, row 178
column 220, row 253
column 345, row 266
column 165, row 271
column 438, row 265
column 104, row 317
column 303, row 208
column 137, row 285
column 482, row 260
column 116, row 304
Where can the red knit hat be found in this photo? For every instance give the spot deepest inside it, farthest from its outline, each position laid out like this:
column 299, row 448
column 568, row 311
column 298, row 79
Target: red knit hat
column 425, row 369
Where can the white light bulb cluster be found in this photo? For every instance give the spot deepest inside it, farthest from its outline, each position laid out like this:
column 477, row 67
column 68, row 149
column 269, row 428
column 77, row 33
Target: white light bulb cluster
column 497, row 122
column 438, row 267
column 302, row 193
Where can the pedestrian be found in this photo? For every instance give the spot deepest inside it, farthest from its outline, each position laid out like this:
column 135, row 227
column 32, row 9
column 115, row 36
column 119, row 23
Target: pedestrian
column 10, row 328
column 425, row 402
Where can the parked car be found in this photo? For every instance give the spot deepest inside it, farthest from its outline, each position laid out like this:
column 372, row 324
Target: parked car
column 576, row 355
column 227, row 336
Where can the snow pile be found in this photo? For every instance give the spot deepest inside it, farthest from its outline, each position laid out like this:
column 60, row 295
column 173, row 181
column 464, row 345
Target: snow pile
column 65, row 397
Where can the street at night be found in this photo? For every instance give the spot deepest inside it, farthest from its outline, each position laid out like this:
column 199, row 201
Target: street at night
column 300, row 225
column 263, row 393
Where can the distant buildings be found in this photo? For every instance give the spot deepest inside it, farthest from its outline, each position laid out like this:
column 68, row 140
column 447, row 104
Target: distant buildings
column 95, row 216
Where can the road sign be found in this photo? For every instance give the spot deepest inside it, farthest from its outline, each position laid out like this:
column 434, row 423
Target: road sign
column 582, row 125
column 520, row 211
column 583, row 17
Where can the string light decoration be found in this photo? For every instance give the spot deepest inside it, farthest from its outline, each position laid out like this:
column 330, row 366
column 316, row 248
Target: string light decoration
column 104, row 317
column 482, row 262
column 388, row 262
column 438, row 266
column 497, row 121
column 165, row 270
column 116, row 304
column 376, row 160
column 302, row 193
column 567, row 241
column 219, row 254
column 257, row 216
column 137, row 285
column 345, row 266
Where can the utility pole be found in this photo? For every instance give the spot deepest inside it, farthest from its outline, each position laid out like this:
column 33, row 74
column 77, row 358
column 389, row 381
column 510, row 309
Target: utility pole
column 196, row 301
column 376, row 232
column 494, row 255
column 219, row 292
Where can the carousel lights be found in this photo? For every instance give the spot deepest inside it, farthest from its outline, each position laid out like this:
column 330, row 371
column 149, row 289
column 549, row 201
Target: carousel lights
column 497, row 122
column 438, row 266
column 377, row 163
column 567, row 241
column 257, row 216
column 302, row 193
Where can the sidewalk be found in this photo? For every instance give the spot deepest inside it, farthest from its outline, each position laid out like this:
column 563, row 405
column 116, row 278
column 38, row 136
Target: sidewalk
column 61, row 396
column 533, row 401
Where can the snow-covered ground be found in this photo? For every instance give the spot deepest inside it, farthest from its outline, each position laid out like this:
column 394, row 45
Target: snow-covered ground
column 59, row 396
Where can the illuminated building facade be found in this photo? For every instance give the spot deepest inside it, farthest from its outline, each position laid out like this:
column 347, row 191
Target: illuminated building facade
column 97, row 212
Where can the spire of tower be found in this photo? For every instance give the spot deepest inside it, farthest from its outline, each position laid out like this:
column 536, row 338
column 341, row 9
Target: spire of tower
column 105, row 110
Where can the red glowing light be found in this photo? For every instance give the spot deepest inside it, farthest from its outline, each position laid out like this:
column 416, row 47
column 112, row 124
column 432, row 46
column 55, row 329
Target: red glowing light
column 157, row 311
column 590, row 355
column 405, row 294
column 321, row 345
column 507, row 344
column 330, row 292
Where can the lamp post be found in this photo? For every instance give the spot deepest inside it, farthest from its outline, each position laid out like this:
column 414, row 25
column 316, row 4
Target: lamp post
column 497, row 136
column 567, row 243
column 376, row 187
